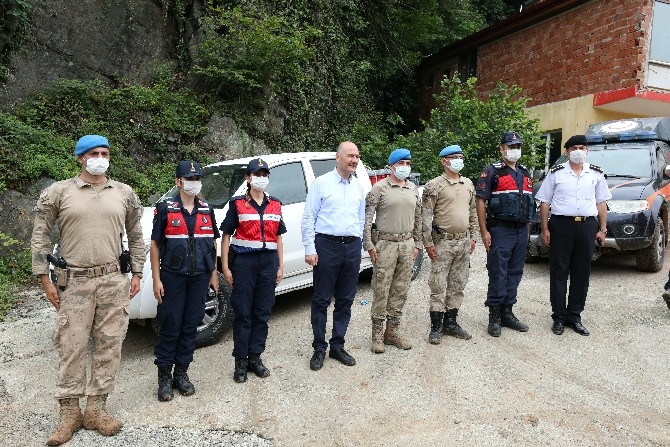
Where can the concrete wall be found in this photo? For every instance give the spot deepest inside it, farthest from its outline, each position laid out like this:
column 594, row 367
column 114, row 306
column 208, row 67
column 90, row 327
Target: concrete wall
column 572, row 116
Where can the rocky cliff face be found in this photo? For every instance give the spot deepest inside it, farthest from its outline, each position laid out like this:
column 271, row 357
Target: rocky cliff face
column 111, row 41
column 94, row 39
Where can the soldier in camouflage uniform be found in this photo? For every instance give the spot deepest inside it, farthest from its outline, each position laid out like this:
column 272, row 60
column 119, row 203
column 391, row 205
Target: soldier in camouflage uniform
column 449, row 224
column 91, row 295
column 393, row 245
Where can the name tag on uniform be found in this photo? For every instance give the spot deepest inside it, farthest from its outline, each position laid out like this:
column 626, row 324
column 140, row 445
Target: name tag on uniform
column 176, row 222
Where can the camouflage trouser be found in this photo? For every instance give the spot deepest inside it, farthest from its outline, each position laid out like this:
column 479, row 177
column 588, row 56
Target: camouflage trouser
column 391, row 276
column 97, row 309
column 449, row 274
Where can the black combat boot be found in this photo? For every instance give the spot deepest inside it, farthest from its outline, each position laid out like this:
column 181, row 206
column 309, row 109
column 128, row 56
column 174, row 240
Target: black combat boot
column 451, row 326
column 435, row 336
column 181, row 381
column 494, row 321
column 255, row 365
column 508, row 319
column 165, row 383
column 240, row 373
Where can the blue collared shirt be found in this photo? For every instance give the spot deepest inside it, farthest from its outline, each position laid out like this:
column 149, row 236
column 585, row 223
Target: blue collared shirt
column 333, row 206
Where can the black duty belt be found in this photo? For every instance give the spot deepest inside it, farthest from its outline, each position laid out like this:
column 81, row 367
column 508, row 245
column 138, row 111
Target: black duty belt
column 340, row 239
column 506, row 224
column 573, row 218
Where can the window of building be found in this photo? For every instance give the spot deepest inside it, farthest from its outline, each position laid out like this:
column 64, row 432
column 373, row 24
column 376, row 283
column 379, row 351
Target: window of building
column 467, row 65
column 553, row 147
column 659, row 53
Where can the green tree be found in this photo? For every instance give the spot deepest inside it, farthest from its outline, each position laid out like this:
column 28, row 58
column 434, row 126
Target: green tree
column 464, row 117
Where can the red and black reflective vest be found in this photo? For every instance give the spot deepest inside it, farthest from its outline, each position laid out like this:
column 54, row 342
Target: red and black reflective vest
column 185, row 253
column 256, row 231
column 508, row 202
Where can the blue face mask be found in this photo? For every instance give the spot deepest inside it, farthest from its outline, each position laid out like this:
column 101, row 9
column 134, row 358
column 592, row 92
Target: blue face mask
column 402, row 172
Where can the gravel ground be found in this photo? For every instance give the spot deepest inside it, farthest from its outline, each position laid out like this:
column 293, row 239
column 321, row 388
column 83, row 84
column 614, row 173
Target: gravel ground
column 516, row 390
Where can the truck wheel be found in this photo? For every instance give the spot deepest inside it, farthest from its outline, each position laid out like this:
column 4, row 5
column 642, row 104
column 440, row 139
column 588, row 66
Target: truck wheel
column 416, row 267
column 218, row 316
column 650, row 259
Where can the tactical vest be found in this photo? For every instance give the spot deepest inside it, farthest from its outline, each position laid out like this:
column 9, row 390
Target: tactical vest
column 256, row 231
column 508, row 202
column 184, row 253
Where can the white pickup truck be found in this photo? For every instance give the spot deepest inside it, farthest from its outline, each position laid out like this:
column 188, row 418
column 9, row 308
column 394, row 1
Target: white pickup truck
column 291, row 176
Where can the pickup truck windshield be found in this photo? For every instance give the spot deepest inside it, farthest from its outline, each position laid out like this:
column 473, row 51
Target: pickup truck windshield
column 219, row 183
column 632, row 162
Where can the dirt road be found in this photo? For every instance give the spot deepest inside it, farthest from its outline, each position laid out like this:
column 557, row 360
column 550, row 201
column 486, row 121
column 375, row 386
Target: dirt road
column 611, row 388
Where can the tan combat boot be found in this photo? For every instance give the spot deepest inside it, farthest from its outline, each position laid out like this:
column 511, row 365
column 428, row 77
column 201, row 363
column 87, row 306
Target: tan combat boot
column 392, row 336
column 97, row 418
column 377, row 344
column 70, row 422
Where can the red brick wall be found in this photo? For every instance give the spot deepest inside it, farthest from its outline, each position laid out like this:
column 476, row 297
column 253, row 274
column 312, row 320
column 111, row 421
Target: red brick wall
column 599, row 46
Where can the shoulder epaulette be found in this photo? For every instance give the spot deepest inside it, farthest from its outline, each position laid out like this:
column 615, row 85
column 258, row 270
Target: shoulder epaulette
column 557, row 168
column 273, row 198
column 596, row 168
column 234, row 198
column 497, row 165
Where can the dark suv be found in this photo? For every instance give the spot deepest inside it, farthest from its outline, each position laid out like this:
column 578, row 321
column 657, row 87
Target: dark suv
column 635, row 156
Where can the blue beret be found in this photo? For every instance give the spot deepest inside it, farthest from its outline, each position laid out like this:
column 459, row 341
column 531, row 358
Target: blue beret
column 399, row 154
column 450, row 150
column 88, row 142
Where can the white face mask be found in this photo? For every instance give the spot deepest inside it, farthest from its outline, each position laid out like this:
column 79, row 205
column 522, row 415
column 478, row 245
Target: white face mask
column 191, row 187
column 259, row 183
column 513, row 155
column 97, row 165
column 402, row 172
column 456, row 164
column 578, row 156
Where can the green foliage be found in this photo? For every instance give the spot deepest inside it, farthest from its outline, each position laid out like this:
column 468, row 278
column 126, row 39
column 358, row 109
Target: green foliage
column 39, row 139
column 15, row 269
column 462, row 117
column 246, row 51
column 28, row 153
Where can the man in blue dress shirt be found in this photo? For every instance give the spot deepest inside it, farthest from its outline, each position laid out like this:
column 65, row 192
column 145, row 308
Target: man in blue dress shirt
column 332, row 231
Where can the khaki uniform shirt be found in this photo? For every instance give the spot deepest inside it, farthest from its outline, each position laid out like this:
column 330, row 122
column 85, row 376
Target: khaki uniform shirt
column 451, row 205
column 398, row 210
column 91, row 220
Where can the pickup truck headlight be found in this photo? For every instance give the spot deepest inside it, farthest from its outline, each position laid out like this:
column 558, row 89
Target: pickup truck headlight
column 627, row 206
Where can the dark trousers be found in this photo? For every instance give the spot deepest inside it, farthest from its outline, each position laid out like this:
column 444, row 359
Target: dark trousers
column 335, row 275
column 504, row 262
column 572, row 245
column 254, row 280
column 178, row 316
